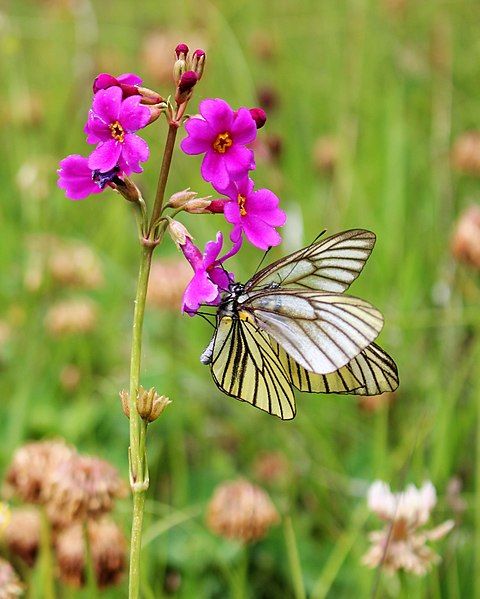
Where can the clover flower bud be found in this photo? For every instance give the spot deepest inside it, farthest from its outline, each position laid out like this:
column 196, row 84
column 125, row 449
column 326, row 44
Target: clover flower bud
column 178, row 199
column 240, row 510
column 259, row 116
column 179, row 69
column 108, row 550
column 178, row 232
column 10, row 584
column 150, row 405
column 198, row 62
column 181, row 51
column 124, row 398
column 23, row 534
column 185, row 86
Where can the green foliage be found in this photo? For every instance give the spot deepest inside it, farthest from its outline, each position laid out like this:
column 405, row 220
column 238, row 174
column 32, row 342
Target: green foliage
column 394, row 86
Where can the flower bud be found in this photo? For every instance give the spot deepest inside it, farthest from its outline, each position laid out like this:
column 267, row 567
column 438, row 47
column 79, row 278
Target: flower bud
column 178, row 199
column 127, row 188
column 179, row 69
column 156, row 111
column 181, row 51
column 150, row 405
column 184, row 90
column 149, row 96
column 198, row 62
column 217, row 206
column 178, row 232
column 124, row 398
column 259, row 116
column 198, row 206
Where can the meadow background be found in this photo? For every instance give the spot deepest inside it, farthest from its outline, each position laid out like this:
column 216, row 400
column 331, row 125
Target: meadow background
column 390, row 84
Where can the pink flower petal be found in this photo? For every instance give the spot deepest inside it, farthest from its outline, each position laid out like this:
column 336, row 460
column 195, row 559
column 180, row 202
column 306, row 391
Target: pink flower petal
column 260, row 234
column 200, row 290
column 264, row 205
column 129, row 79
column 239, row 160
column 200, row 137
column 75, row 178
column 213, row 169
column 232, row 212
column 96, row 129
column 105, row 156
column 244, row 129
column 212, row 249
column 135, row 150
column 218, row 114
column 106, row 104
column 133, row 115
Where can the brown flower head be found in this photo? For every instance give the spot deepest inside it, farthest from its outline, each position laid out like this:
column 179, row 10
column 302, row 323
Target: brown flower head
column 10, row 584
column 108, row 553
column 401, row 544
column 70, row 377
column 373, row 403
column 466, row 237
column 273, row 468
column 31, row 467
column 466, row 153
column 73, row 316
column 168, row 280
column 23, row 534
column 242, row 511
column 82, row 487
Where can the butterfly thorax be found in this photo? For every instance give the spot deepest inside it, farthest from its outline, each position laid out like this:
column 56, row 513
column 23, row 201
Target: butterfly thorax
column 231, row 301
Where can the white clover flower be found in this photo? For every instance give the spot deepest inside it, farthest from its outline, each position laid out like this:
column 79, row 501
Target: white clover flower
column 400, row 545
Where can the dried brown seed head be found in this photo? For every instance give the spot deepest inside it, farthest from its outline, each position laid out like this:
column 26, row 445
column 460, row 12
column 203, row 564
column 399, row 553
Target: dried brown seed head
column 466, row 153
column 466, row 237
column 240, row 510
column 23, row 533
column 168, row 279
column 10, row 584
column 72, row 316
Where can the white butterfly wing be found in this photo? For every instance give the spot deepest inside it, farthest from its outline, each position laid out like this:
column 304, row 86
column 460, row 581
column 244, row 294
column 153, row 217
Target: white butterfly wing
column 330, row 265
column 245, row 366
column 322, row 332
column 372, row 372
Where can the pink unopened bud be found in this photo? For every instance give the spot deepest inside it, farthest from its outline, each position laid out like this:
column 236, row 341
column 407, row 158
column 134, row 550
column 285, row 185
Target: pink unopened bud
column 181, row 51
column 184, row 90
column 259, row 116
column 217, row 206
column 187, row 81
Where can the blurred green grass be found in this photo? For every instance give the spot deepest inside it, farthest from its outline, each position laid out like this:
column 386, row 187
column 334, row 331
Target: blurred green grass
column 394, row 82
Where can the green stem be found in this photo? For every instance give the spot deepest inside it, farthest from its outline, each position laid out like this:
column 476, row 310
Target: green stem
column 162, row 179
column 48, row 584
column 89, row 566
column 294, row 559
column 138, row 428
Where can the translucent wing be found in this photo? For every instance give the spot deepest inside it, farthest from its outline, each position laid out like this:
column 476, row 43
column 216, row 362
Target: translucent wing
column 372, row 372
column 322, row 332
column 245, row 366
column 329, row 265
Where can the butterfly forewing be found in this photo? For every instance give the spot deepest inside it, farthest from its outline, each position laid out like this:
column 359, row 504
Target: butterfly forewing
column 330, row 265
column 321, row 332
column 244, row 365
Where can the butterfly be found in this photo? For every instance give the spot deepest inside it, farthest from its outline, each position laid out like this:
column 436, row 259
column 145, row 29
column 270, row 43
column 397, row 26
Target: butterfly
column 291, row 326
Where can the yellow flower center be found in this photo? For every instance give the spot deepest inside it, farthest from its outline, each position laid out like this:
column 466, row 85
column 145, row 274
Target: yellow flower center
column 241, row 204
column 118, row 132
column 222, row 143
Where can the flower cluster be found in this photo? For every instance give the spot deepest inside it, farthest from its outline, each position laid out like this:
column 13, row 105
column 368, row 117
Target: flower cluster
column 223, row 135
column 400, row 544
column 120, row 107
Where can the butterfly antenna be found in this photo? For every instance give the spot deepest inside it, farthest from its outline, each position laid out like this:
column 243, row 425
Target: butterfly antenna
column 262, row 260
column 308, row 246
column 205, row 316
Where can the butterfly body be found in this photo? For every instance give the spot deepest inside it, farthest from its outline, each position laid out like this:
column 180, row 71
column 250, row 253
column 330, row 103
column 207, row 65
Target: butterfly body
column 291, row 325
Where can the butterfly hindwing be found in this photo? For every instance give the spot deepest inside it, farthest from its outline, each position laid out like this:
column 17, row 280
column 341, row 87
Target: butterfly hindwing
column 322, row 332
column 245, row 366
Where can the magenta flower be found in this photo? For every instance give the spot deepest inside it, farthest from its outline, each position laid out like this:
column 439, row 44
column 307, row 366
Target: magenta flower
column 210, row 278
column 254, row 213
column 128, row 82
column 111, row 124
column 79, row 181
column 221, row 134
